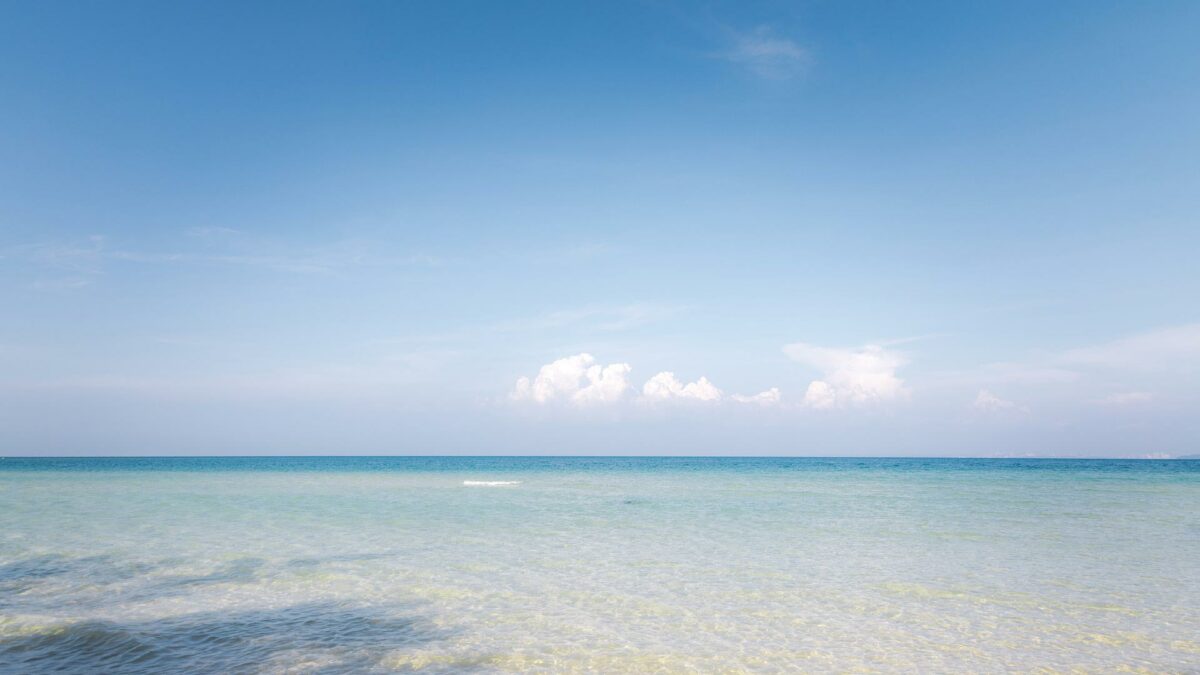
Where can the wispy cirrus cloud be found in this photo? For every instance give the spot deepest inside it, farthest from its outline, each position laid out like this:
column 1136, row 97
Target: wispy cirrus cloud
column 589, row 320
column 1168, row 348
column 766, row 54
column 60, row 284
column 1127, row 398
column 387, row 379
column 75, row 263
column 609, row 318
column 1166, row 358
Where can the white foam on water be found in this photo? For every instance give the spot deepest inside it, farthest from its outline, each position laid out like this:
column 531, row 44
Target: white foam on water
column 490, row 483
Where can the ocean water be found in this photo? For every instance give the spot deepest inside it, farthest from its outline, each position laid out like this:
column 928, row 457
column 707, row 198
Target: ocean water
column 331, row 565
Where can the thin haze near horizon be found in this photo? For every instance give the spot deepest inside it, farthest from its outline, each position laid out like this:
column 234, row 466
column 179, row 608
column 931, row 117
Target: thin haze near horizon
column 808, row 228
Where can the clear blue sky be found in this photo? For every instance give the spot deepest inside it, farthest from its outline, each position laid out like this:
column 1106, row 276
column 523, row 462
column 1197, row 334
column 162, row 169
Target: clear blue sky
column 878, row 228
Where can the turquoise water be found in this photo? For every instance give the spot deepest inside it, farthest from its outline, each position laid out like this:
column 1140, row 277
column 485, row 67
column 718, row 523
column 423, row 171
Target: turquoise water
column 612, row 565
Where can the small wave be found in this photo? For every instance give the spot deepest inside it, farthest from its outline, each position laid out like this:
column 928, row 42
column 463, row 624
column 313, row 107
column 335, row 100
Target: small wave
column 490, row 483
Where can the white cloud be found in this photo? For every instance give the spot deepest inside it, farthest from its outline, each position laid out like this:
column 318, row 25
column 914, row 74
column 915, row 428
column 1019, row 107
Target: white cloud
column 763, row 398
column 665, row 386
column 580, row 380
column 989, row 402
column 850, row 376
column 820, row 395
column 1126, row 398
column 767, row 55
column 577, row 379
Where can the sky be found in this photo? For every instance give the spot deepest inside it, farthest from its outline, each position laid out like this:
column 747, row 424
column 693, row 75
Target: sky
column 661, row 228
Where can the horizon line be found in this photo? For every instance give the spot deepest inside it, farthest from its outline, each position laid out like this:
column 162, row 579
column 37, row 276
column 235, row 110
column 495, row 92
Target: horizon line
column 498, row 456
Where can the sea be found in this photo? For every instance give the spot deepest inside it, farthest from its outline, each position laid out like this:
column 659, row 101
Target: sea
column 598, row 564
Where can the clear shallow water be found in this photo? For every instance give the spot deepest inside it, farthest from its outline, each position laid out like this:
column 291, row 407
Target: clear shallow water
column 670, row 565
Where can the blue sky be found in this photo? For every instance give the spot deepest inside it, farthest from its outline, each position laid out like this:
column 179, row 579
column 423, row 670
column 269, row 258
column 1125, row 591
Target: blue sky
column 533, row 228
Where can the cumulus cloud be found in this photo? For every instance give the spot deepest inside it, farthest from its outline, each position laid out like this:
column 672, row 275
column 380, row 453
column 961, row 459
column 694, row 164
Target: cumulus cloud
column 989, row 402
column 581, row 381
column 849, row 376
column 763, row 398
column 820, row 395
column 767, row 55
column 665, row 387
column 576, row 379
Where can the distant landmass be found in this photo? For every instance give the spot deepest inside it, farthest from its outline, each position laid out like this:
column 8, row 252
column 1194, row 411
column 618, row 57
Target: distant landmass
column 1188, row 457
